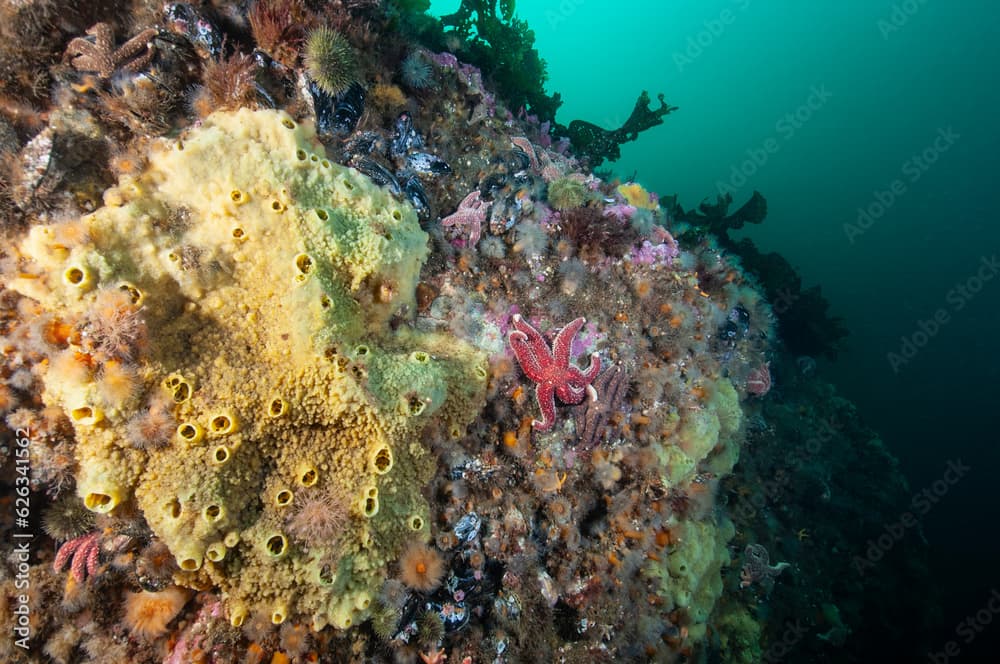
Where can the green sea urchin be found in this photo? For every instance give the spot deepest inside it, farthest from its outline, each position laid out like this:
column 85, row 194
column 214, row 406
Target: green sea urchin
column 330, row 60
column 384, row 620
column 567, row 193
column 430, row 627
column 416, row 71
column 67, row 518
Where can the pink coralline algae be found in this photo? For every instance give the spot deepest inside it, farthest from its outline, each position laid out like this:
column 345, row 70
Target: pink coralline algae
column 654, row 254
column 543, row 134
column 193, row 637
column 759, row 380
column 623, row 213
column 471, row 214
column 473, row 78
column 85, row 552
column 551, row 369
column 445, row 59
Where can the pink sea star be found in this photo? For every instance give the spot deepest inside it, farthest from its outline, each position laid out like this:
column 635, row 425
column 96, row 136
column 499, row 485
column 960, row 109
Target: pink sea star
column 527, row 148
column 85, row 552
column 551, row 369
column 471, row 213
column 101, row 56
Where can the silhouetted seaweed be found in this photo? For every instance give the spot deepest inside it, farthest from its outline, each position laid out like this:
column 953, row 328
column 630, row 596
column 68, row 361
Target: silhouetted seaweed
column 598, row 144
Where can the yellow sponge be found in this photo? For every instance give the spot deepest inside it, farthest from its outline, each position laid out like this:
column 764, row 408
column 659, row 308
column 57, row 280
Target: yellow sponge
column 266, row 277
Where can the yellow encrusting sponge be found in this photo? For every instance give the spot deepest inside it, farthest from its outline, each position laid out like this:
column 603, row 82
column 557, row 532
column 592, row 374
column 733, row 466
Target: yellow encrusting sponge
column 245, row 262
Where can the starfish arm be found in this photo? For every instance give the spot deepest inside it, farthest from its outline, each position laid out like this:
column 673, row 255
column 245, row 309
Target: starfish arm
column 101, row 56
column 545, row 395
column 83, row 55
column 104, row 37
column 472, row 201
column 563, row 343
column 590, row 373
column 527, row 329
column 79, row 567
column 137, row 45
column 65, row 553
column 93, row 558
column 78, row 48
column 82, row 556
column 533, row 348
column 580, row 379
column 454, row 220
column 529, row 360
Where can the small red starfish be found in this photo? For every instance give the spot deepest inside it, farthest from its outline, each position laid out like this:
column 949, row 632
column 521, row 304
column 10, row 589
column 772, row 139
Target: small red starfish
column 551, row 368
column 85, row 551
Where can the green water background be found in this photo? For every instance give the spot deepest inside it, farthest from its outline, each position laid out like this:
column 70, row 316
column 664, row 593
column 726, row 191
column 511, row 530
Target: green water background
column 845, row 101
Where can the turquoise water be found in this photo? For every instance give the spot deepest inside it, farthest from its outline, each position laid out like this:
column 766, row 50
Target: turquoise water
column 831, row 109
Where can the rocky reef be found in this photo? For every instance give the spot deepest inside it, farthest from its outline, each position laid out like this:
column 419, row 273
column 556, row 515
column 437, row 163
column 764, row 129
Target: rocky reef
column 378, row 371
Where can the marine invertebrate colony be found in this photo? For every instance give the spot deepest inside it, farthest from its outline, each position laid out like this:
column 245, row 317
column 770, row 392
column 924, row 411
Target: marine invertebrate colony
column 115, row 328
column 318, row 519
column 235, row 384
